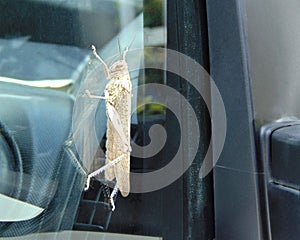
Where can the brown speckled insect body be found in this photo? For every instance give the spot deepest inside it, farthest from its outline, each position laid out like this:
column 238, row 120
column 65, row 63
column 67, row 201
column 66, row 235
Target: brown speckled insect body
column 118, row 110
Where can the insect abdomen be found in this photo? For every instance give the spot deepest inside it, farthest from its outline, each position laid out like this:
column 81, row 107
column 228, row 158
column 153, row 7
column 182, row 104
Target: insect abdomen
column 121, row 101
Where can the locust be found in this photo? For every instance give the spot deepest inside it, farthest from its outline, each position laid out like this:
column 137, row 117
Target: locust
column 117, row 96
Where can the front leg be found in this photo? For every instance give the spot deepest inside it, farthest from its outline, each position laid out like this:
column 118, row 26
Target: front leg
column 106, row 69
column 88, row 93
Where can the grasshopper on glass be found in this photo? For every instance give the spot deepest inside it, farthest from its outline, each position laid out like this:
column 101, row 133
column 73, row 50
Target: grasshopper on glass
column 117, row 96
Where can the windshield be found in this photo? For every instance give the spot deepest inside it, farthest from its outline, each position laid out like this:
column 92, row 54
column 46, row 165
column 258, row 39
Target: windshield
column 54, row 57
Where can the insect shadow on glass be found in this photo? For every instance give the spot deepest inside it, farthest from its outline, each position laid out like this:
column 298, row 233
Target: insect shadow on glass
column 117, row 96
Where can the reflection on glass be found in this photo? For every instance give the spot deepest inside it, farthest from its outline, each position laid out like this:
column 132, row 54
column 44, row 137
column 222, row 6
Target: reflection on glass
column 274, row 42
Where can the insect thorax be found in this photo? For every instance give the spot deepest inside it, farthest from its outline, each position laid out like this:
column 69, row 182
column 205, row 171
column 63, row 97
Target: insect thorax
column 118, row 87
column 118, row 69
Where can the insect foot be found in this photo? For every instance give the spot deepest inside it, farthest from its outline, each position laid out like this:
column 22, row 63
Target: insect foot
column 88, row 181
column 111, row 198
column 88, row 93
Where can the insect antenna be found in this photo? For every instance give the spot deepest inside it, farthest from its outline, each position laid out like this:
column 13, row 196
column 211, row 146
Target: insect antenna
column 126, row 50
column 123, row 55
column 132, row 41
column 119, row 46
